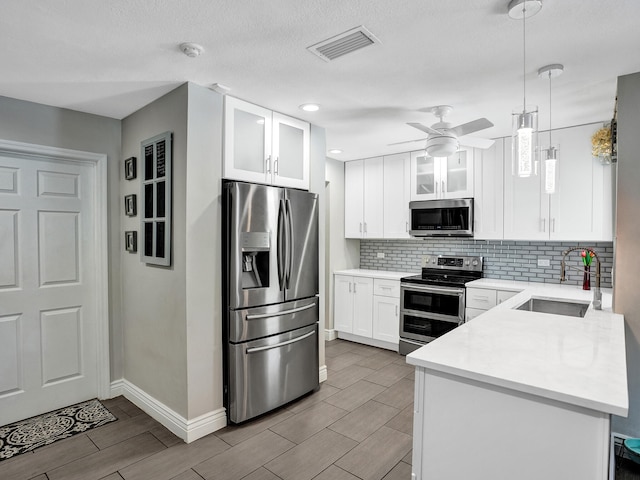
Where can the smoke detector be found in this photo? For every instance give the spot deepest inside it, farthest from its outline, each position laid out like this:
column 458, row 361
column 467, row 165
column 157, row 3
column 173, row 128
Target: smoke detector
column 191, row 49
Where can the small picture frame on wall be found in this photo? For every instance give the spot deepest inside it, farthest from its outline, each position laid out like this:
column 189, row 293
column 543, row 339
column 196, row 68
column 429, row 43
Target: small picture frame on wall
column 130, row 205
column 130, row 168
column 131, row 241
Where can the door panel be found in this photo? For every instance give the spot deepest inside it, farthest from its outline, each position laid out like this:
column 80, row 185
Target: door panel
column 48, row 310
column 303, row 213
column 252, row 230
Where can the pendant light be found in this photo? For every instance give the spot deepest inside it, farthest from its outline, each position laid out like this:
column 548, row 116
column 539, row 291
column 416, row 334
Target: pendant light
column 525, row 118
column 550, row 154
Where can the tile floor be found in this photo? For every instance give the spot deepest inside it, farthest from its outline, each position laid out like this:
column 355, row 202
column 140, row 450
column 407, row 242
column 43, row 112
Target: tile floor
column 357, row 426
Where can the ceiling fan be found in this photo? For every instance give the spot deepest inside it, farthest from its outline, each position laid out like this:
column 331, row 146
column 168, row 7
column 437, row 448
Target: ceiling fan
column 444, row 140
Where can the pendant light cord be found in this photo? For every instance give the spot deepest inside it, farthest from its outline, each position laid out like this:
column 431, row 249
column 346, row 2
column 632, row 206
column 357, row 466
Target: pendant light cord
column 524, row 57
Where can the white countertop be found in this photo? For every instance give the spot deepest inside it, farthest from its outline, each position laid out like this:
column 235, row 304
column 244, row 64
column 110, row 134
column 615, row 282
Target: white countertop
column 580, row 361
column 360, row 272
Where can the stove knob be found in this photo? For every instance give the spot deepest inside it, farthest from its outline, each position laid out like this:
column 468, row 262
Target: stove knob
column 467, row 263
column 475, row 263
column 433, row 261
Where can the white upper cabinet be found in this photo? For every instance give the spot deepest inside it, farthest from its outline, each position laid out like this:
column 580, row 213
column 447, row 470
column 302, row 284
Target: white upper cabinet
column 442, row 177
column 581, row 207
column 363, row 199
column 264, row 146
column 396, row 195
column 488, row 192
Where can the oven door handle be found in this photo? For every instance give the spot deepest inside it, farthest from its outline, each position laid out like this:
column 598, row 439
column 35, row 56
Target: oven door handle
column 446, row 290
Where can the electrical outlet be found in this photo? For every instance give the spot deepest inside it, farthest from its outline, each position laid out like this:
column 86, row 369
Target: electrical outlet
column 544, row 262
column 380, row 255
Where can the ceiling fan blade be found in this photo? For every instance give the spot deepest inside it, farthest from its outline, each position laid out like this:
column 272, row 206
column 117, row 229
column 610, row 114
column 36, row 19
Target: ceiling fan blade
column 474, row 126
column 407, row 141
column 476, row 142
column 424, row 128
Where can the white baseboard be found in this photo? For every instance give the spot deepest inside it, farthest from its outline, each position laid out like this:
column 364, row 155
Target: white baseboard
column 368, row 341
column 187, row 430
column 323, row 373
column 330, row 334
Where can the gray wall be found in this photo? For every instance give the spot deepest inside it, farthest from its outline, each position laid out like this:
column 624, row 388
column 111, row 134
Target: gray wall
column 343, row 253
column 507, row 260
column 154, row 298
column 58, row 127
column 627, row 263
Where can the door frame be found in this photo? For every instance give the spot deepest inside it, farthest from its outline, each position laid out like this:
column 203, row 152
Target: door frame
column 98, row 162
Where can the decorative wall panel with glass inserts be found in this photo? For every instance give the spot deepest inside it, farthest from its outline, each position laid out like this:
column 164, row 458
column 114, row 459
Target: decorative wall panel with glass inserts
column 155, row 228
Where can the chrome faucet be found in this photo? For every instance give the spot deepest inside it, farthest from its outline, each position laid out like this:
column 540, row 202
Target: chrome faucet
column 597, row 293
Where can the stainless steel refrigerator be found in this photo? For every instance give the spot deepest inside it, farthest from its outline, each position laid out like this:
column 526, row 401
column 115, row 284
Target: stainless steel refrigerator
column 270, row 290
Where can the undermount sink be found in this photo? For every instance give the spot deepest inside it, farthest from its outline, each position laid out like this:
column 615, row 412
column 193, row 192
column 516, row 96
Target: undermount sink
column 555, row 307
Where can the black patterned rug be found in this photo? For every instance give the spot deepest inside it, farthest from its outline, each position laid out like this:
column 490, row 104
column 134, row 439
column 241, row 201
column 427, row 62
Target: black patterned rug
column 27, row 435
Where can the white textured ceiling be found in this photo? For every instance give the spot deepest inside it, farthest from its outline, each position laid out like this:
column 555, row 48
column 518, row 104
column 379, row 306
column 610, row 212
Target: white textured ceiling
column 111, row 57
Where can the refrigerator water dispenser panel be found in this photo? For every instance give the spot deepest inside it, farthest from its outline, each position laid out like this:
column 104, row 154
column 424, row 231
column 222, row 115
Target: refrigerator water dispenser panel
column 255, row 259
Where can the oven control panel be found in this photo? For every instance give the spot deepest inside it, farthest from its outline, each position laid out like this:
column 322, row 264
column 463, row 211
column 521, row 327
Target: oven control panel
column 446, row 262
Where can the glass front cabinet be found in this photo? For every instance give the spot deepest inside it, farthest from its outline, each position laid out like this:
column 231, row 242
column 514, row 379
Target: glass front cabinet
column 434, row 178
column 265, row 147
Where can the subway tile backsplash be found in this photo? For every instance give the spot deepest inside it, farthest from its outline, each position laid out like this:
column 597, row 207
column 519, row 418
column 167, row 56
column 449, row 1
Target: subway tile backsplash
column 507, row 260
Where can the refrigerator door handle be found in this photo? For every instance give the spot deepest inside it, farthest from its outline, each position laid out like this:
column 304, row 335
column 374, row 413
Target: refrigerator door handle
column 290, row 242
column 282, row 344
column 281, row 247
column 257, row 316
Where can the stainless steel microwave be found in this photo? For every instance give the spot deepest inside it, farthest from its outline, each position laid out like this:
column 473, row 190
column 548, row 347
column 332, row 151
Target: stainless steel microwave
column 451, row 218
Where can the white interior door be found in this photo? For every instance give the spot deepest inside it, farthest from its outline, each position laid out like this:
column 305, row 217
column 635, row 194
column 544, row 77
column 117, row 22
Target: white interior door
column 48, row 298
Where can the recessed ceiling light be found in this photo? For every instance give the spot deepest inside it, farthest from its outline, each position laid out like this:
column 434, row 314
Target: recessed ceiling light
column 335, row 150
column 309, row 107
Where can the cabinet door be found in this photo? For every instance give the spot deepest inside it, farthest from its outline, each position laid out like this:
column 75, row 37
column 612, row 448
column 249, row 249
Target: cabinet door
column 362, row 306
column 456, row 174
column 373, row 200
column 425, row 182
column 386, row 319
column 504, row 295
column 526, row 207
column 290, row 152
column 396, row 195
column 353, row 199
column 247, row 141
column 581, row 207
column 343, row 303
column 488, row 212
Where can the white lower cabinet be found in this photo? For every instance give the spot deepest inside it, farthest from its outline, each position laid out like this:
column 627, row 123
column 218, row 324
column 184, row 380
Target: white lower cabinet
column 479, row 300
column 367, row 310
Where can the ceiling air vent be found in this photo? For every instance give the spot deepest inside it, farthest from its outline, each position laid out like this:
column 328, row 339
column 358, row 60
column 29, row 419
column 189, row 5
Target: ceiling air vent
column 346, row 42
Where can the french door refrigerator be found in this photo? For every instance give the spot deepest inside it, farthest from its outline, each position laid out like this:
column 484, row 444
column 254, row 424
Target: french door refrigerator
column 270, row 290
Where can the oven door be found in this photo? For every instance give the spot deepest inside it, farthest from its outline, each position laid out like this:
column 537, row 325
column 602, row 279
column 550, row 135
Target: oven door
column 438, row 303
column 424, row 328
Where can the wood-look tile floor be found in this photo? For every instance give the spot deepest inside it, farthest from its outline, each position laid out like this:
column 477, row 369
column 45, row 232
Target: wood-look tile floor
column 356, row 426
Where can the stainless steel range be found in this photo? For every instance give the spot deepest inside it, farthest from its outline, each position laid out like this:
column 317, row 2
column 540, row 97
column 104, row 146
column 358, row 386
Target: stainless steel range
column 433, row 303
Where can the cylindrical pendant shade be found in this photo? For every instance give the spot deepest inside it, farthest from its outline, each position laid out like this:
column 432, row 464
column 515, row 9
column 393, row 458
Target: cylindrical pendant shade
column 525, row 141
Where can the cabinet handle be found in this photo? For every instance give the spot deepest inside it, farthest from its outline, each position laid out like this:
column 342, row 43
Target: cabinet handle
column 544, row 224
column 354, row 287
column 275, row 166
column 349, row 287
column 360, row 227
column 553, row 224
column 396, row 310
column 268, row 164
column 442, row 189
column 365, row 227
column 406, row 226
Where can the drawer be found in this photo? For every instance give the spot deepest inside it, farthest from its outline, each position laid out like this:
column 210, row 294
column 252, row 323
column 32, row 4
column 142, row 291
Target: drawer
column 386, row 288
column 503, row 295
column 481, row 298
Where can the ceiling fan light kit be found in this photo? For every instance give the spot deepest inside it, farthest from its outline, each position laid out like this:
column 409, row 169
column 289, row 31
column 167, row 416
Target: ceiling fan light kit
column 525, row 118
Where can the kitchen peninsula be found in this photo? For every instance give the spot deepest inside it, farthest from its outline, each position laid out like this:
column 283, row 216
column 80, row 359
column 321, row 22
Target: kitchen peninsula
column 521, row 394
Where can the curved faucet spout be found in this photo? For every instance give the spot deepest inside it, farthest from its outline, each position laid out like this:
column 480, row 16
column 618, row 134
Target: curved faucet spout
column 597, row 293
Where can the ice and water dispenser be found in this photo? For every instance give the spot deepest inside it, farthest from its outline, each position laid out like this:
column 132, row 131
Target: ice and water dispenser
column 256, row 248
